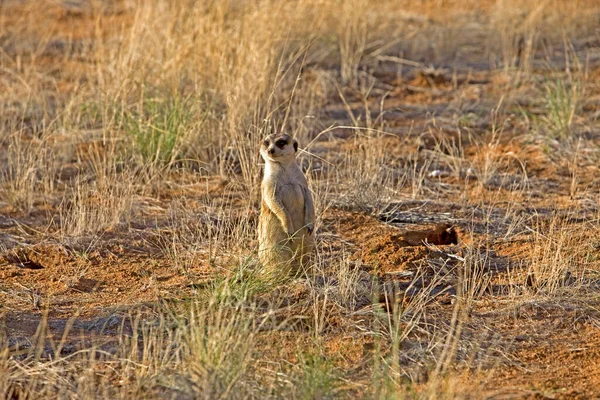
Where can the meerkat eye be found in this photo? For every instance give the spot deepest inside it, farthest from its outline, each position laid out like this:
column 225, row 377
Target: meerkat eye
column 266, row 143
column 280, row 143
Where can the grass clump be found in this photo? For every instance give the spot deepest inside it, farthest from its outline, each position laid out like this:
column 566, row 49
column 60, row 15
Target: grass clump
column 317, row 378
column 158, row 129
column 221, row 341
column 562, row 100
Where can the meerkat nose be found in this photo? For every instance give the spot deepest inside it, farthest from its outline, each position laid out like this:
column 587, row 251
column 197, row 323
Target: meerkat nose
column 271, row 151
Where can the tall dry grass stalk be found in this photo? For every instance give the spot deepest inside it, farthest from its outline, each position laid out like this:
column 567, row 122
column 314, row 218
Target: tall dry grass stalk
column 558, row 258
column 235, row 63
column 205, row 351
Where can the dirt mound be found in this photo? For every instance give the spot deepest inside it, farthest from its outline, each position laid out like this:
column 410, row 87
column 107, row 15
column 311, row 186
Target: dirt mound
column 440, row 235
column 386, row 248
column 36, row 257
column 388, row 254
column 393, row 252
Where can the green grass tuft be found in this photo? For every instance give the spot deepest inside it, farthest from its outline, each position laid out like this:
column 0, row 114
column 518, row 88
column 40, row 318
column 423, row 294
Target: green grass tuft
column 158, row 130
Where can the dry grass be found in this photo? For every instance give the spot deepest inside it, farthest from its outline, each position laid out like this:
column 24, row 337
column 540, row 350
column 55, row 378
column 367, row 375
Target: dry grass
column 128, row 140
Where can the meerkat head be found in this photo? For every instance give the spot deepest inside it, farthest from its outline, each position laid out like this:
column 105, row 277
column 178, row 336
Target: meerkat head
column 278, row 148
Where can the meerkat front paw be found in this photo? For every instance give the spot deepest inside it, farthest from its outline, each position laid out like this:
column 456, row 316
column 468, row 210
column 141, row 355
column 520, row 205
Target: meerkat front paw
column 310, row 229
column 290, row 231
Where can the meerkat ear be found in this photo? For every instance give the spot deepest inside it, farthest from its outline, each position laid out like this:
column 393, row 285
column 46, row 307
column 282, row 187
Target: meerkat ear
column 295, row 146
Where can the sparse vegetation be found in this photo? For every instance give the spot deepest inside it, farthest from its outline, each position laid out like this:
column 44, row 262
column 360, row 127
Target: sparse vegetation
column 158, row 130
column 453, row 153
column 562, row 102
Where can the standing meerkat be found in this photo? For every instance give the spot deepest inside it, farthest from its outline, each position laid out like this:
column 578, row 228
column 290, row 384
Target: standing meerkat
column 287, row 214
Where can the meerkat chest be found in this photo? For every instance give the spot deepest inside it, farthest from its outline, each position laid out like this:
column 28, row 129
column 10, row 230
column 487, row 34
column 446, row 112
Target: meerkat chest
column 292, row 196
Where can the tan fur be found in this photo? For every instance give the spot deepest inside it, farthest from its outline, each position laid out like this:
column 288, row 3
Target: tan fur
column 286, row 223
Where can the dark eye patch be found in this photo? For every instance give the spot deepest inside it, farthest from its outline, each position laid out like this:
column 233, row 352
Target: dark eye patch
column 266, row 143
column 280, row 143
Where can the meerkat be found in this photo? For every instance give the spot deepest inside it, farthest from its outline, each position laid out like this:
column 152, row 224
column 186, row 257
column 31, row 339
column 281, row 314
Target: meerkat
column 287, row 214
